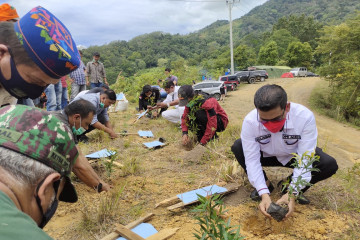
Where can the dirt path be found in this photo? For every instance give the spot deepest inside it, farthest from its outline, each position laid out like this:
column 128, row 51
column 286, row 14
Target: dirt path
column 163, row 173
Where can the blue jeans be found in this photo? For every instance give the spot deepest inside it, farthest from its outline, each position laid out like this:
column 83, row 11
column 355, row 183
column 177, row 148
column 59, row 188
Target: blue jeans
column 26, row 101
column 94, row 85
column 75, row 89
column 64, row 97
column 53, row 94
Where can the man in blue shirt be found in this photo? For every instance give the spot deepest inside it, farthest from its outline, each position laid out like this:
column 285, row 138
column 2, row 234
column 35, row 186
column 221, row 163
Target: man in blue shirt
column 100, row 121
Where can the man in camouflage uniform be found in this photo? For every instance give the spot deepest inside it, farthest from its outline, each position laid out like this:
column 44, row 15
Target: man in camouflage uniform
column 37, row 154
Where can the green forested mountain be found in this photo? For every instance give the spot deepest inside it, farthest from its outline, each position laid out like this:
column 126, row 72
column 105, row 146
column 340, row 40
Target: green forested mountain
column 208, row 47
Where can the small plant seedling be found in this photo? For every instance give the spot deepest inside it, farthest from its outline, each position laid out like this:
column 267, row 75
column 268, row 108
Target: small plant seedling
column 210, row 218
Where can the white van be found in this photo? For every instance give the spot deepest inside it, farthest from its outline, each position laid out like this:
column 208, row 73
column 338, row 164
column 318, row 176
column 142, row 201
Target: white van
column 299, row 72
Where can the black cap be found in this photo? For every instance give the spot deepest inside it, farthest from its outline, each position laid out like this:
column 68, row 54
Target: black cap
column 185, row 93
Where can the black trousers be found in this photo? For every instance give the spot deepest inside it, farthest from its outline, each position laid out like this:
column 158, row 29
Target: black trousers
column 201, row 122
column 326, row 164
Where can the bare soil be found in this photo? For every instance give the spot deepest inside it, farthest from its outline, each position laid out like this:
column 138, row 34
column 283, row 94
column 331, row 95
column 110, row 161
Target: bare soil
column 166, row 172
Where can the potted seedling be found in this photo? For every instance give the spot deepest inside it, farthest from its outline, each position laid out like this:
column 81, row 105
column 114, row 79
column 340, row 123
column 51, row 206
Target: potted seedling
column 305, row 163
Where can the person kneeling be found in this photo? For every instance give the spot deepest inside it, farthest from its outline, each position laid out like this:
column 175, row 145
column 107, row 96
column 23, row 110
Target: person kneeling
column 202, row 115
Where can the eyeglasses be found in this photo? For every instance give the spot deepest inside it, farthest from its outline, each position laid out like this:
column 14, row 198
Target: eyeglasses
column 276, row 119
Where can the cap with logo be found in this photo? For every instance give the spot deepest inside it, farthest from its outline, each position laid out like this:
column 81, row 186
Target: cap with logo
column 48, row 42
column 41, row 136
column 185, row 93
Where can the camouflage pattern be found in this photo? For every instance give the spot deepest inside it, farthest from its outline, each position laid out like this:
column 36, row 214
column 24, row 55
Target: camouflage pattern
column 38, row 135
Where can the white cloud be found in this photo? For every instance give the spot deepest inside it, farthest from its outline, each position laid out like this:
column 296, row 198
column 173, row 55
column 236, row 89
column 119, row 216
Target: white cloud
column 100, row 22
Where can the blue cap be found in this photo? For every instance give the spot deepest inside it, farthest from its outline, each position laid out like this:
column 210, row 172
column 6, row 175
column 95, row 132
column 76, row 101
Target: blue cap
column 48, row 42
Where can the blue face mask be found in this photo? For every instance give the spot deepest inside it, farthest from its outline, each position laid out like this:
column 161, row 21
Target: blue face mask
column 78, row 131
column 17, row 86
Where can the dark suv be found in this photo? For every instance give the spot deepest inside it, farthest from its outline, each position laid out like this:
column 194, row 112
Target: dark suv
column 252, row 76
column 231, row 81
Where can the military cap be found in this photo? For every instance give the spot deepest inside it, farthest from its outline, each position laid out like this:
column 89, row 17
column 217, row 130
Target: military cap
column 41, row 136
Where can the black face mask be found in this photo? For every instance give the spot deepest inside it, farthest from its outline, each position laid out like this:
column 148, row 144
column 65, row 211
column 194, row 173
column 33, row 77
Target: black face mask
column 52, row 209
column 17, row 86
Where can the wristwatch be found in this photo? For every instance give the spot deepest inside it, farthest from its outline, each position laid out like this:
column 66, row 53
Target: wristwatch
column 99, row 187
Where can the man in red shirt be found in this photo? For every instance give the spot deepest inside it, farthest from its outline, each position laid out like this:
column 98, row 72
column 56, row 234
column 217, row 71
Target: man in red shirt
column 204, row 116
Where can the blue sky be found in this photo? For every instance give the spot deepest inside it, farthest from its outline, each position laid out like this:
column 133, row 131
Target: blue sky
column 100, row 22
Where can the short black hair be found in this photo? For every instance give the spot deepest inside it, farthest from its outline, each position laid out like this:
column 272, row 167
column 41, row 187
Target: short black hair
column 168, row 84
column 167, row 70
column 111, row 94
column 81, row 106
column 96, row 54
column 269, row 97
column 147, row 88
column 81, row 52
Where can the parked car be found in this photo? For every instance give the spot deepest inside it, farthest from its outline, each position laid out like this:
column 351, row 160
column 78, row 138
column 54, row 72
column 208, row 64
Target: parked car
column 210, row 87
column 311, row 74
column 299, row 72
column 231, row 81
column 252, row 76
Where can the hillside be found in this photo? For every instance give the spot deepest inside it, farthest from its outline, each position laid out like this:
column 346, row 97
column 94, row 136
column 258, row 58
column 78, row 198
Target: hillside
column 200, row 47
column 150, row 176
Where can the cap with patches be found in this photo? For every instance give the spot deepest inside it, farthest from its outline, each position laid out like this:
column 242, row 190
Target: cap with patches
column 41, row 136
column 48, row 42
column 185, row 93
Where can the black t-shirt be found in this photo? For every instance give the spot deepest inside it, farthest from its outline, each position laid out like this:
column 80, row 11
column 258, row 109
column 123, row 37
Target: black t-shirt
column 144, row 101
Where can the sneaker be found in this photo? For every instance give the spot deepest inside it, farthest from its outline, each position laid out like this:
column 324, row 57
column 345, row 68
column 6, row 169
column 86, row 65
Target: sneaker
column 255, row 195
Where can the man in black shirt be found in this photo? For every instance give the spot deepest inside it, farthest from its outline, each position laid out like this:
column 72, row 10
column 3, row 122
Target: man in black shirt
column 148, row 99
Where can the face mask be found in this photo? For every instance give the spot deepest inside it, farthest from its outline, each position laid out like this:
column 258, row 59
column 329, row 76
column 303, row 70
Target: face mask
column 101, row 105
column 18, row 87
column 52, row 209
column 274, row 127
column 78, row 131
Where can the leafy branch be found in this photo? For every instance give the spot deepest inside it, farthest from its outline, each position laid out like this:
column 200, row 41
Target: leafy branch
column 212, row 225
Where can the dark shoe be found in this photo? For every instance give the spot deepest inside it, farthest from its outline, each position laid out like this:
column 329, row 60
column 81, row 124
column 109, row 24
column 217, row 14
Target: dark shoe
column 301, row 199
column 254, row 195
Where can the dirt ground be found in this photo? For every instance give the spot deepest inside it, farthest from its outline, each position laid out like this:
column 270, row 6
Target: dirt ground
column 155, row 175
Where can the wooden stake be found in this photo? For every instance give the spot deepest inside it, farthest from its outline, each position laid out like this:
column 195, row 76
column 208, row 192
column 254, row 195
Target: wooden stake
column 127, row 233
column 168, row 202
column 115, row 235
column 231, row 188
column 163, row 234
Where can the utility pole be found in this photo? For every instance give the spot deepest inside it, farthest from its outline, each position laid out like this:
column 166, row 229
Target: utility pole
column 230, row 4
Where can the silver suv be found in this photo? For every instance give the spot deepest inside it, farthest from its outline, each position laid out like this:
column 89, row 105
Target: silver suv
column 210, row 87
column 299, row 72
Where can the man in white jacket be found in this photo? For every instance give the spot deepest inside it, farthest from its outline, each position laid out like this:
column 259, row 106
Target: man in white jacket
column 270, row 134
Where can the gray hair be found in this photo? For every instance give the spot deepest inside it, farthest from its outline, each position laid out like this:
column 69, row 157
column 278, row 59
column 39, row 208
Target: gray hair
column 27, row 171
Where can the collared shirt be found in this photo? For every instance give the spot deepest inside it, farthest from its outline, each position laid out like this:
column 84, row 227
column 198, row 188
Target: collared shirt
column 79, row 74
column 172, row 96
column 172, row 78
column 94, row 98
column 298, row 136
column 95, row 71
